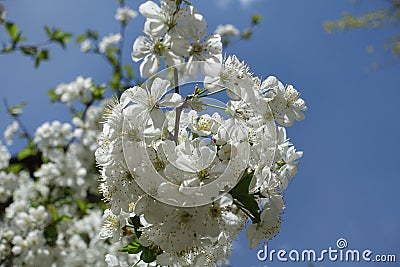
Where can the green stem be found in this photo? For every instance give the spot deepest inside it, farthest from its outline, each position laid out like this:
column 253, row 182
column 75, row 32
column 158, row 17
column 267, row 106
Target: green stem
column 213, row 93
column 213, row 106
column 178, row 110
column 242, row 208
column 136, row 263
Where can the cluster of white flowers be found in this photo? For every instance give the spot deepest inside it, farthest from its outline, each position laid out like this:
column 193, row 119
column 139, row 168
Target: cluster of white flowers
column 124, row 14
column 3, row 13
column 80, row 89
column 109, row 41
column 4, row 156
column 47, row 220
column 10, row 132
column 181, row 173
column 175, row 35
column 185, row 178
column 227, row 30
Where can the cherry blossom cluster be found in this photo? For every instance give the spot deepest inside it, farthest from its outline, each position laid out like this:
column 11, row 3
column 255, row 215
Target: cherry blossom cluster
column 52, row 216
column 182, row 173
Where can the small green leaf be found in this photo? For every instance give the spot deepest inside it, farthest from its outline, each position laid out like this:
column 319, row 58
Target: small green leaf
column 149, row 254
column 82, row 205
column 11, row 29
column 48, row 31
column 44, row 54
column 247, row 34
column 98, row 92
column 241, row 193
column 7, row 49
column 15, row 168
column 17, row 109
column 114, row 83
column 26, row 152
column 129, row 71
column 256, row 19
column 51, row 234
column 53, row 96
column 80, row 38
column 53, row 212
column 37, row 62
column 62, row 219
column 135, row 221
column 92, row 34
column 28, row 50
column 132, row 248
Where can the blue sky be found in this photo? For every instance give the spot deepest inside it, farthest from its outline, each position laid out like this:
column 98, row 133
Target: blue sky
column 348, row 180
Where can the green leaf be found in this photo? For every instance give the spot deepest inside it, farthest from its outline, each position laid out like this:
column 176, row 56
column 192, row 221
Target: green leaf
column 53, row 96
column 114, row 83
column 44, row 54
column 51, row 234
column 62, row 218
column 12, row 30
column 53, row 212
column 247, row 34
column 17, row 109
column 7, row 49
column 15, row 168
column 241, row 193
column 135, row 221
column 80, row 38
column 92, row 34
column 37, row 62
column 256, row 19
column 149, row 254
column 28, row 50
column 133, row 248
column 26, row 152
column 129, row 71
column 82, row 205
column 48, row 31
column 98, row 92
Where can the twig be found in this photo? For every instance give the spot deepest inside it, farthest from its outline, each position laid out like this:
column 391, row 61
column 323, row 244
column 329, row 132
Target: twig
column 178, row 109
column 21, row 124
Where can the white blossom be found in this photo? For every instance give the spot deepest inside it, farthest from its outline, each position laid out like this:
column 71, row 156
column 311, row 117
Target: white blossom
column 86, row 45
column 108, row 41
column 227, row 30
column 124, row 14
column 4, row 156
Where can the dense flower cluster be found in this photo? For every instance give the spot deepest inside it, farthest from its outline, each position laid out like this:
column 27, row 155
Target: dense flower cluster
column 183, row 177
column 48, row 220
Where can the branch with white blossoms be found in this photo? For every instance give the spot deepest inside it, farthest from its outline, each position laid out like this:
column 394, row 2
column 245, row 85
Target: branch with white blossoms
column 181, row 172
column 180, row 179
column 231, row 35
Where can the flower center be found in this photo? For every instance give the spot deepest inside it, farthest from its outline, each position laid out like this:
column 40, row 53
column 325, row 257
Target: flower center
column 158, row 48
column 196, row 49
column 203, row 174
